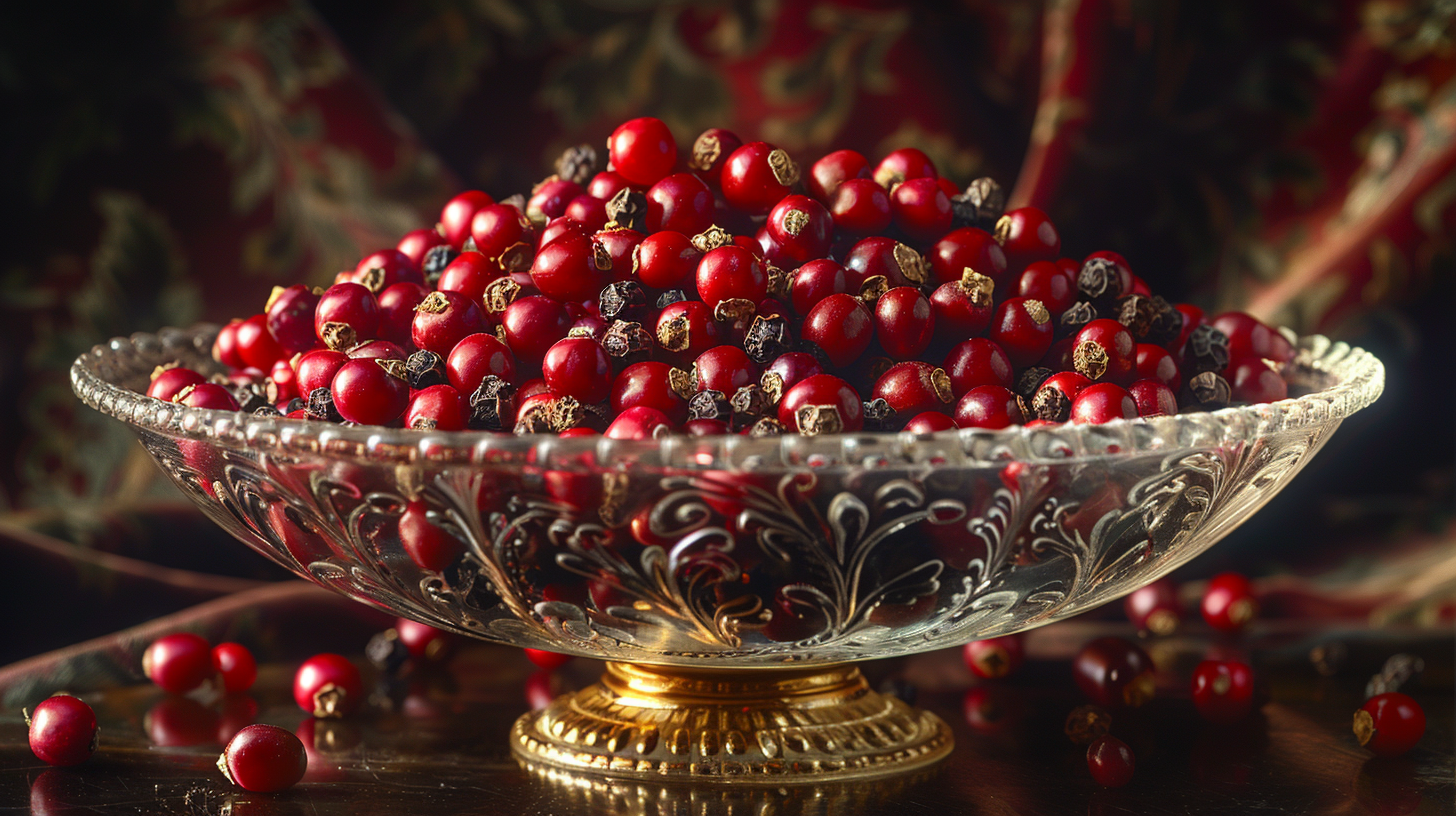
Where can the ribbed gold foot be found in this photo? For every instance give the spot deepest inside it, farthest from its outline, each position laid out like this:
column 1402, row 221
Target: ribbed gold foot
column 661, row 722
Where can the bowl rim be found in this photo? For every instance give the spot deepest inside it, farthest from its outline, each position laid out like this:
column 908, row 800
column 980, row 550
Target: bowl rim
column 1348, row 379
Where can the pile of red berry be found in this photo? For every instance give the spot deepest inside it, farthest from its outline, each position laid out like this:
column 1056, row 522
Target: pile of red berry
column 720, row 292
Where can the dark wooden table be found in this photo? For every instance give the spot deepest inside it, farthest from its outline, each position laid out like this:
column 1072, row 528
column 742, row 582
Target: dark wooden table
column 435, row 742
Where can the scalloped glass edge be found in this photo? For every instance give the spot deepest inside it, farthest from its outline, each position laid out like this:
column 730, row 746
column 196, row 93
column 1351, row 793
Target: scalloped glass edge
column 1343, row 379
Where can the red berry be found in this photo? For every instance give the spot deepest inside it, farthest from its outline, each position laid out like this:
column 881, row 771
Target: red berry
column 572, row 268
column 426, row 543
column 62, row 731
column 1102, row 402
column 903, row 165
column 317, row 368
column 180, row 722
column 731, row 273
column 898, row 264
column 687, row 329
column 1114, row 673
column 960, row 309
column 206, row 395
column 724, row 369
column 476, row 357
column 499, row 227
column 1104, row 350
column 366, row 392
column 1154, row 608
column 256, row 345
column 903, row 322
column 967, row 248
column 290, row 317
column 1192, row 319
column 328, row 685
column 264, row 759
column 666, row 260
column 640, row 422
column 929, row 422
column 859, row 206
column 821, row 404
column 178, row 662
column 549, row 661
column 1228, row 603
column 642, row 150
column 416, row 244
column 989, row 406
column 383, row 268
column 710, row 152
column 681, row 203
column 793, row 368
column 921, row 208
column 1223, row 691
column 1024, row 330
column 815, row 281
column 170, row 382
column 828, row 173
column 532, row 324
column 456, row 217
column 841, row 327
column 995, row 657
column 1390, row 724
column 606, row 184
column 1110, row 762
column 1156, row 363
column 1027, row 235
column 578, row 367
column 397, row 311
column 550, row 198
column 1249, row 338
column 914, row 387
column 756, row 176
column 976, row 362
column 1255, row 381
column 437, row 408
column 236, row 665
column 648, row 384
column 422, row 641
column 225, row 347
column 468, row 275
column 801, row 227
column 443, row 319
column 1050, row 283
column 1153, row 399
column 347, row 313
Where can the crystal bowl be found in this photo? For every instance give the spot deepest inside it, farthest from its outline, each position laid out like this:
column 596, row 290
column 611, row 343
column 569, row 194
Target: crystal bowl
column 713, row 570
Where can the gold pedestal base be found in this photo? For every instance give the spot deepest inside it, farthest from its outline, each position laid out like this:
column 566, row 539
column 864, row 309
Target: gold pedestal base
column 774, row 726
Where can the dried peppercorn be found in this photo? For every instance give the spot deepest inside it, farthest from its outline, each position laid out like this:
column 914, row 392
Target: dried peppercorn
column 321, row 406
column 491, row 404
column 1166, row 323
column 1207, row 349
column 1137, row 313
column 1206, row 391
column 748, row 405
column 1099, row 281
column 1052, row 405
column 577, row 164
column 670, row 297
column 424, row 369
column 1087, row 723
column 628, row 208
column 878, row 415
column 1030, row 380
column 710, row 405
column 1075, row 317
column 435, row 262
column 981, row 205
column 627, row 342
column 623, row 300
column 767, row 338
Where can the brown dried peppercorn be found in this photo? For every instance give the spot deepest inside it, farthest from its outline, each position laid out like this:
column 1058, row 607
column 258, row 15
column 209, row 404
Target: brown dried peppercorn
column 1206, row 391
column 1207, row 349
column 626, row 343
column 1051, row 404
column 491, row 403
column 1075, row 317
column 436, row 259
column 623, row 300
column 818, row 419
column 628, row 208
column 981, row 205
column 748, row 404
column 1087, row 723
column 710, row 404
column 670, row 297
column 424, row 369
column 1166, row 323
column 1030, row 381
column 767, row 426
column 1099, row 281
column 577, row 164
column 321, row 406
column 251, row 397
column 1135, row 312
column 1397, row 671
column 879, row 416
column 767, row 338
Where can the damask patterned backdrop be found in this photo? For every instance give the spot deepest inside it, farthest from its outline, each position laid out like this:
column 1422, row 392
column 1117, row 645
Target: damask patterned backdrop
column 167, row 162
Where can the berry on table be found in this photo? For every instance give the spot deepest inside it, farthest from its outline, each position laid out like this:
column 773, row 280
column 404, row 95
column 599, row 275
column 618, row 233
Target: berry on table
column 235, row 664
column 1114, row 673
column 1223, row 691
column 264, row 759
column 1390, row 724
column 1110, row 761
column 548, row 661
column 62, row 730
column 179, row 662
column 1228, row 603
column 1154, row 608
column 328, row 685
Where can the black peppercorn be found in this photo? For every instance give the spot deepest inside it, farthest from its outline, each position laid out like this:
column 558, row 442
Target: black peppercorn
column 1031, row 380
column 321, row 406
column 386, row 652
column 879, row 416
column 710, row 404
column 250, row 397
column 1052, row 405
column 577, row 164
column 628, row 208
column 623, row 300
column 491, row 404
column 748, row 404
column 1075, row 317
column 670, row 297
column 424, row 369
column 1166, row 323
column 1207, row 349
column 295, row 404
column 627, row 343
column 1206, row 391
column 767, row 338
column 983, row 202
column 1099, row 281
column 435, row 262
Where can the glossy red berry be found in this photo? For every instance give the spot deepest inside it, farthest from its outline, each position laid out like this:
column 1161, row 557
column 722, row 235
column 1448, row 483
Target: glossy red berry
column 724, row 369
column 914, row 387
column 178, row 662
column 1156, row 363
column 756, row 176
column 476, row 357
column 642, row 150
column 1110, row 761
column 328, row 685
column 967, row 248
column 1251, row 339
column 666, row 260
column 550, row 661
column 989, row 406
column 1255, row 381
column 1223, row 691
column 397, row 311
column 456, row 217
column 1102, row 402
column 290, row 317
column 902, row 165
column 1153, row 399
column 1390, row 724
column 347, row 313
column 1154, row 608
column 376, row 350
column 578, row 367
column 681, row 203
column 384, row 268
column 443, row 319
column 639, row 423
column 498, row 227
column 1228, row 603
column 686, row 329
column 168, row 383
column 731, row 273
column 62, row 731
column 468, row 275
column 225, row 346
column 815, row 281
column 206, row 395
column 903, row 322
column 1027, row 235
column 416, row 244
column 921, row 208
column 365, row 391
column 532, row 324
column 801, row 227
column 264, row 759
column 1114, row 673
column 256, row 345
column 422, row 641
column 550, row 198
column 793, row 367
column 995, row 657
column 828, row 173
column 437, row 408
column 1023, row 328
column 572, row 268
column 1051, row 283
column 317, row 368
column 235, row 664
column 606, row 184
column 822, row 404
column 1104, row 351
column 960, row 309
column 426, row 543
column 711, row 151
column 859, row 206
column 648, row 384
column 929, row 422
column 878, row 256
column 976, row 362
column 841, row 327
column 1192, row 319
